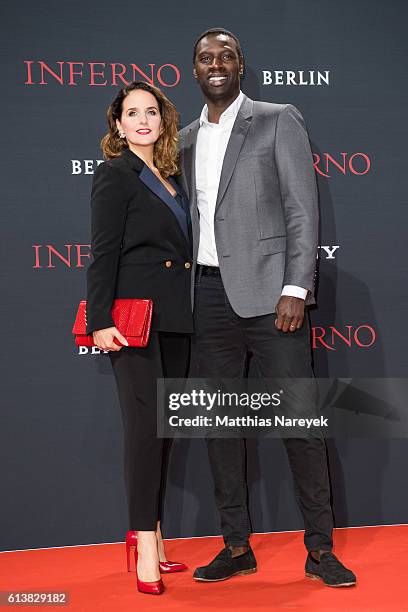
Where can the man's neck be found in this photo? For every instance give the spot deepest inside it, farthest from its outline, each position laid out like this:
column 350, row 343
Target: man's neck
column 217, row 107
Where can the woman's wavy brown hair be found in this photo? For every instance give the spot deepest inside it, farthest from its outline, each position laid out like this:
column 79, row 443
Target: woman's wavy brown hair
column 165, row 154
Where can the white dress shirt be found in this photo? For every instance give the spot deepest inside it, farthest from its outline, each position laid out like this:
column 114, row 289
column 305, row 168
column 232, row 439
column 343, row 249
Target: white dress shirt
column 212, row 141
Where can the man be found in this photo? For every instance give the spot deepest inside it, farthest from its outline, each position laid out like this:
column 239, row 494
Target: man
column 247, row 167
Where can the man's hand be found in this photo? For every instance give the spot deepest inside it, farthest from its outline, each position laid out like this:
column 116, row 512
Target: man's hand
column 290, row 313
column 104, row 339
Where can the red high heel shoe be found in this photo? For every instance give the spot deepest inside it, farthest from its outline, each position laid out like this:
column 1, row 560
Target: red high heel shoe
column 150, row 588
column 131, row 542
column 170, row 567
column 166, row 567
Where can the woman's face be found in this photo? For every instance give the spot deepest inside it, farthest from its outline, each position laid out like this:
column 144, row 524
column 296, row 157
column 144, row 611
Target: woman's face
column 140, row 120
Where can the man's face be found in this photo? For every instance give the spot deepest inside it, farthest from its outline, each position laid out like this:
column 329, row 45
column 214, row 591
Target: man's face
column 218, row 67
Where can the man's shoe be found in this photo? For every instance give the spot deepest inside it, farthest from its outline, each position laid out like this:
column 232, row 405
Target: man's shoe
column 330, row 570
column 225, row 565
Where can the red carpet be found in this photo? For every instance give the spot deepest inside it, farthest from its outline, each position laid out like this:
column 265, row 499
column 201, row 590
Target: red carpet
column 96, row 579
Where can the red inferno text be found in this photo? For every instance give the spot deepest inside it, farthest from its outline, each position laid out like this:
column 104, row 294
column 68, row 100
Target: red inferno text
column 354, row 163
column 99, row 74
column 47, row 256
column 331, row 338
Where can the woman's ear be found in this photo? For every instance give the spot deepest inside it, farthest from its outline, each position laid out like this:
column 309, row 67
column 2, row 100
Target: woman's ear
column 119, row 128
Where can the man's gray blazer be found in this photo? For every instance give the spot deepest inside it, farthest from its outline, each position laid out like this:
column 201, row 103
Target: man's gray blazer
column 266, row 215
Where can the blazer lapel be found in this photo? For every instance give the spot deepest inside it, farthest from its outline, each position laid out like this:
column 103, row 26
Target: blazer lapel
column 186, row 207
column 189, row 179
column 189, row 153
column 152, row 182
column 238, row 135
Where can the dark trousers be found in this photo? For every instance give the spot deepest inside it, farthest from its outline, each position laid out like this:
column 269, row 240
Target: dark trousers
column 223, row 341
column 146, row 456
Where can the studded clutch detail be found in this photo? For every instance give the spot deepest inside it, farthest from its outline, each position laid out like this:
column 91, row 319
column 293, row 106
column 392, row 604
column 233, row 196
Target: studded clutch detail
column 132, row 318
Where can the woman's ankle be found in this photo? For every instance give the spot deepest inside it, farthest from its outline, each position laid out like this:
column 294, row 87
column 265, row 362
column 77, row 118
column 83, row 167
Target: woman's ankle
column 160, row 544
column 146, row 540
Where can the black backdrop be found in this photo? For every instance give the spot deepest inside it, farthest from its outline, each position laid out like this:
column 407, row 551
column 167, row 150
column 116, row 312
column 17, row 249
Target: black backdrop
column 61, row 439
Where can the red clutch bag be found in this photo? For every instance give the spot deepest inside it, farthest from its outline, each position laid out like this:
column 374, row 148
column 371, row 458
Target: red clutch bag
column 132, row 318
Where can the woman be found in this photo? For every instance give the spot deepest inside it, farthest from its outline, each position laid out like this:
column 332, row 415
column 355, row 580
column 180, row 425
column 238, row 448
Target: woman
column 142, row 249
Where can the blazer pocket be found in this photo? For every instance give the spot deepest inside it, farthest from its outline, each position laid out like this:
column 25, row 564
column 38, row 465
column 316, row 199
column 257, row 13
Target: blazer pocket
column 274, row 244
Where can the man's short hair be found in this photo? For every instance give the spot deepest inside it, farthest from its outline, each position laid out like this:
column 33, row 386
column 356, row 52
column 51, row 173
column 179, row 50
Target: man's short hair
column 215, row 32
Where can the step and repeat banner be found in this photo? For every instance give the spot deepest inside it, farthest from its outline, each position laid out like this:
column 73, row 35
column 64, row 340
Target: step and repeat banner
column 342, row 64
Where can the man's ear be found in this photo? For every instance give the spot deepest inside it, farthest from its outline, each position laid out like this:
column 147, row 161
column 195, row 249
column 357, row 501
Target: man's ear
column 195, row 73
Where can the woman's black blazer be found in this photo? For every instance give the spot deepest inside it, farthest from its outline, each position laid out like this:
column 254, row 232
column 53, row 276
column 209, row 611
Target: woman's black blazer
column 141, row 245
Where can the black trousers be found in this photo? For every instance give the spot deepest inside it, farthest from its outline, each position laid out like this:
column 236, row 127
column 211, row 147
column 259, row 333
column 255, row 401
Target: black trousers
column 146, row 456
column 223, row 341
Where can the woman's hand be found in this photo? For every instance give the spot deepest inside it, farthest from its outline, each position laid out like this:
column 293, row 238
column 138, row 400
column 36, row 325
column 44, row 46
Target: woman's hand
column 104, row 339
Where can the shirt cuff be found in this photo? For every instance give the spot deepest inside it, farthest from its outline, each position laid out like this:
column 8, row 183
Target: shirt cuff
column 294, row 291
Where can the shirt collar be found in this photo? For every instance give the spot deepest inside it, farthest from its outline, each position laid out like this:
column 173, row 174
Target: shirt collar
column 230, row 113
